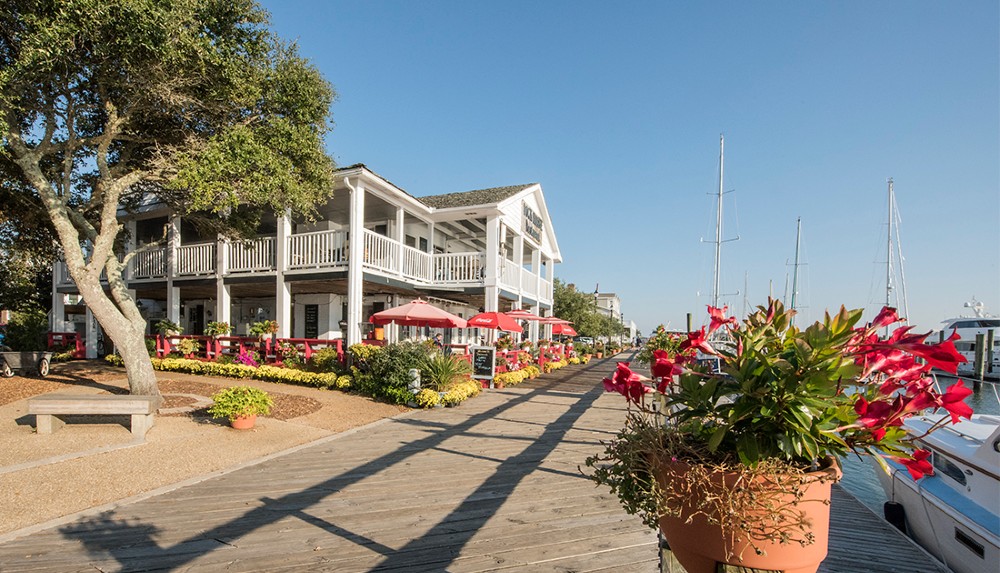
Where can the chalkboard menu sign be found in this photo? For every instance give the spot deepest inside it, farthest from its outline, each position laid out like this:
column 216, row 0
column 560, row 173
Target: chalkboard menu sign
column 484, row 361
column 312, row 321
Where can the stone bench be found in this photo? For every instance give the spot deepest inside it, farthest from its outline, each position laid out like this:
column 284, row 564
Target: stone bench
column 141, row 408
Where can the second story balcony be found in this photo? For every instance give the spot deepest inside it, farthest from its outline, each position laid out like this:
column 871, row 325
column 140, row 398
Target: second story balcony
column 329, row 251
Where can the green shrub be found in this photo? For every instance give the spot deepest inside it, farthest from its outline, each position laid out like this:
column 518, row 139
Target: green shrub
column 27, row 330
column 325, row 360
column 240, row 401
column 363, row 354
column 439, row 372
column 387, row 376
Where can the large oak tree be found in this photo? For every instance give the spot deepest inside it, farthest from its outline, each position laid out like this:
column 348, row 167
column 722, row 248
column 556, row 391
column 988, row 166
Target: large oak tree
column 109, row 104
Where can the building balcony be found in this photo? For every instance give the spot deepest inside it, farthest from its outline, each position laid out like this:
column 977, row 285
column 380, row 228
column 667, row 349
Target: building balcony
column 328, row 251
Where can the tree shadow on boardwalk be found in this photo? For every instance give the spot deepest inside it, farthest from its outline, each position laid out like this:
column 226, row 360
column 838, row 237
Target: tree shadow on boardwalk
column 133, row 546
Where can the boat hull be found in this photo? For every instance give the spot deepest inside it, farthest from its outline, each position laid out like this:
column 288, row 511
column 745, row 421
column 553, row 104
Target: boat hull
column 953, row 514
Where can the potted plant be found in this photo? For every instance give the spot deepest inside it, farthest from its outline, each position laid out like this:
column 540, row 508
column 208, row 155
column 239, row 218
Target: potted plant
column 660, row 340
column 168, row 327
column 731, row 448
column 215, row 329
column 599, row 349
column 264, row 329
column 188, row 346
column 241, row 405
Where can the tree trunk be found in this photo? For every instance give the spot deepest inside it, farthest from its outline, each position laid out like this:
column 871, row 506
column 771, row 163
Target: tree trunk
column 128, row 336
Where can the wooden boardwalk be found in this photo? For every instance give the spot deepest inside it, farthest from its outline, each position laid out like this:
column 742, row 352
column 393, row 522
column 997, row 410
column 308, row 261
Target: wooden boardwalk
column 490, row 486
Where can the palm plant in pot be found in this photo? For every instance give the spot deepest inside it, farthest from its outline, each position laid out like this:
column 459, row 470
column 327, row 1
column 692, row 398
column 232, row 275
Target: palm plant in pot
column 241, row 405
column 731, row 448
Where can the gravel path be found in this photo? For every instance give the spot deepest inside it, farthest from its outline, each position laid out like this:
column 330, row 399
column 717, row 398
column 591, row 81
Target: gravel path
column 93, row 461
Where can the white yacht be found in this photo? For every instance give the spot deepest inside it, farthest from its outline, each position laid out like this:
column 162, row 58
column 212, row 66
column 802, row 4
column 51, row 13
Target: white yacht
column 967, row 328
column 955, row 513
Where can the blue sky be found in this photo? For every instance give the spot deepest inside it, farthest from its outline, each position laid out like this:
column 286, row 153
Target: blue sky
column 616, row 109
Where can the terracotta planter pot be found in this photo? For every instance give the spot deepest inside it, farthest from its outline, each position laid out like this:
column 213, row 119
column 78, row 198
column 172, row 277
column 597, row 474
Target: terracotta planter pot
column 699, row 545
column 244, row 422
column 600, row 355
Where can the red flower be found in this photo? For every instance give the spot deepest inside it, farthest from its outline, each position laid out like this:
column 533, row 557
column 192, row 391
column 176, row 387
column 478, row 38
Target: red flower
column 918, row 466
column 627, row 383
column 663, row 366
column 719, row 318
column 697, row 340
column 953, row 400
column 942, row 355
column 886, row 317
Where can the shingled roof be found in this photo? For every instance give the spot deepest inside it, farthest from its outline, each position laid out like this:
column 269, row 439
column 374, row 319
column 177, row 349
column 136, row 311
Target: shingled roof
column 471, row 198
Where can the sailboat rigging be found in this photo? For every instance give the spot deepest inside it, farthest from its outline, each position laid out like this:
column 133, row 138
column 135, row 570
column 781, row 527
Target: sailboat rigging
column 718, row 228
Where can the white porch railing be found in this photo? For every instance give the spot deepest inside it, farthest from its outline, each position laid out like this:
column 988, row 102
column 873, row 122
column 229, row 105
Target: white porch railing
column 329, row 250
column 529, row 283
column 416, row 264
column 318, row 249
column 381, row 253
column 510, row 274
column 196, row 259
column 149, row 264
column 250, row 256
column 450, row 268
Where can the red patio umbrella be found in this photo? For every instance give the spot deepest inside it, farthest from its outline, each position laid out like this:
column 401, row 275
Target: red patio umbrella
column 418, row 313
column 495, row 320
column 554, row 320
column 521, row 314
column 563, row 329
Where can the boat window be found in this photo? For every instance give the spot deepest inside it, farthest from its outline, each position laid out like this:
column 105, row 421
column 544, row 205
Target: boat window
column 990, row 323
column 966, row 324
column 946, row 467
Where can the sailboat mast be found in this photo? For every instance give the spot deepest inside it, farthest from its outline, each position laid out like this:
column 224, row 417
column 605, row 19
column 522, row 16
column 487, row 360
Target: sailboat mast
column 718, row 228
column 795, row 269
column 888, row 265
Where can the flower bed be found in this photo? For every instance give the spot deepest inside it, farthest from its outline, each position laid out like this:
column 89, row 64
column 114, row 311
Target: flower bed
column 243, row 371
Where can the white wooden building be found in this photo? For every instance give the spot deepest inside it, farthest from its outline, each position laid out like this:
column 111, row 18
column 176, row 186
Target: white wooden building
column 374, row 246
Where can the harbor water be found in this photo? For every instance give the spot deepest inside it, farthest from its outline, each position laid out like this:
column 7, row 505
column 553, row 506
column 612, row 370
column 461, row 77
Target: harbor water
column 859, row 476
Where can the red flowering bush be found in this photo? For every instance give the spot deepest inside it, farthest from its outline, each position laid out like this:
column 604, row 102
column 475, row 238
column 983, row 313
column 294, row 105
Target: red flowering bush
column 778, row 392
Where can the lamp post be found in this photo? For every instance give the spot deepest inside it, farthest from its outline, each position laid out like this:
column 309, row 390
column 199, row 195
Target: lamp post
column 595, row 310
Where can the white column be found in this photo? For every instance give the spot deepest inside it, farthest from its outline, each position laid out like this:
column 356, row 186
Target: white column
column 91, row 335
column 400, row 236
column 173, row 293
column 57, row 318
column 223, row 297
column 518, row 258
column 283, row 292
column 490, row 280
column 355, row 272
column 173, row 303
column 130, row 246
column 173, row 241
column 536, row 267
